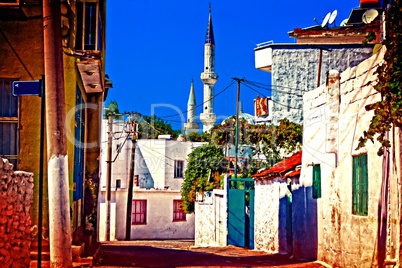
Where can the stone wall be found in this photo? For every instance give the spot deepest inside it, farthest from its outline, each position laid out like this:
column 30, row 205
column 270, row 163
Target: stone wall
column 16, row 197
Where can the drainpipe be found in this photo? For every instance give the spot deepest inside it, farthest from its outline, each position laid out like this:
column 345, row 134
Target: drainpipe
column 58, row 181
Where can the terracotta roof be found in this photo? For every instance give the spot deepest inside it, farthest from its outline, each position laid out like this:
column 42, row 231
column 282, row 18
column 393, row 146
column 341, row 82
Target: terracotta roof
column 288, row 167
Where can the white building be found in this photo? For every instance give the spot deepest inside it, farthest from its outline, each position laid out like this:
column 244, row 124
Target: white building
column 159, row 171
column 357, row 192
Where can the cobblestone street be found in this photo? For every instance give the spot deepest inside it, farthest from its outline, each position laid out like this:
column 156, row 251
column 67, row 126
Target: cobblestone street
column 185, row 254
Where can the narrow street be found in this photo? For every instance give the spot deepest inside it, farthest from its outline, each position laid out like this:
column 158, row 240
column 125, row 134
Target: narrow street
column 185, row 254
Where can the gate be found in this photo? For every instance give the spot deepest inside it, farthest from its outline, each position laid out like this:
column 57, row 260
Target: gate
column 241, row 212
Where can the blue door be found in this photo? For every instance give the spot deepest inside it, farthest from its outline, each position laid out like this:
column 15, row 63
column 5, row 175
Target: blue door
column 79, row 147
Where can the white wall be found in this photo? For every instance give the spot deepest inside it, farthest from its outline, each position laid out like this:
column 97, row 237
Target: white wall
column 330, row 139
column 160, row 224
column 271, row 228
column 211, row 220
column 154, row 165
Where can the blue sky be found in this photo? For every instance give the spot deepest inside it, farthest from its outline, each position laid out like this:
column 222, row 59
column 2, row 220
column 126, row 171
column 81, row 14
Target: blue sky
column 155, row 48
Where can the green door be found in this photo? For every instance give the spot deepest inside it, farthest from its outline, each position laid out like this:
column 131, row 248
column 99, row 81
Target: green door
column 241, row 212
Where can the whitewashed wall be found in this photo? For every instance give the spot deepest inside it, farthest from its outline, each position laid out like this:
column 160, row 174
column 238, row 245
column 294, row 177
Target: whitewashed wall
column 154, row 165
column 211, row 220
column 330, row 139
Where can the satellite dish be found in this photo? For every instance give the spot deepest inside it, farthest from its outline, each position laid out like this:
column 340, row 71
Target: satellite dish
column 369, row 16
column 333, row 16
column 343, row 23
column 326, row 19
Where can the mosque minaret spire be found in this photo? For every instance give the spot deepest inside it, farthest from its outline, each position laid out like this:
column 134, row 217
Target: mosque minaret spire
column 191, row 125
column 209, row 78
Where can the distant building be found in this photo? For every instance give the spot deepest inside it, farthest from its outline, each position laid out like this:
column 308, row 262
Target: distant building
column 301, row 67
column 158, row 176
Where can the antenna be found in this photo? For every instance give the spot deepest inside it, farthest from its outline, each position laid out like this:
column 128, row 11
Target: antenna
column 326, row 19
column 369, row 16
column 343, row 23
column 333, row 16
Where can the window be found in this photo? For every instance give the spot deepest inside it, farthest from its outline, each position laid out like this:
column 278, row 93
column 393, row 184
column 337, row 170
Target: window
column 178, row 168
column 139, row 213
column 8, row 122
column 360, row 185
column 316, row 181
column 88, row 26
column 178, row 212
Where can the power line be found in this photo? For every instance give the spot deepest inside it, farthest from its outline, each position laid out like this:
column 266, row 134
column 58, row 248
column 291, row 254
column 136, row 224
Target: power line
column 287, row 106
column 272, row 87
column 213, row 97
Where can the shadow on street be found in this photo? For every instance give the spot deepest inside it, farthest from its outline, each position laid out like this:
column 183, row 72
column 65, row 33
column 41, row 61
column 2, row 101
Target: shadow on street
column 160, row 254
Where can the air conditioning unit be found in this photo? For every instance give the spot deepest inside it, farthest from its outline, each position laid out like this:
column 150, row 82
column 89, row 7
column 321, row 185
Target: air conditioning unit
column 9, row 3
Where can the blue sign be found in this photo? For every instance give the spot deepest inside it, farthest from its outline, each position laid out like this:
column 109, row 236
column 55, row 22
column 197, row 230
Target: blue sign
column 27, row 88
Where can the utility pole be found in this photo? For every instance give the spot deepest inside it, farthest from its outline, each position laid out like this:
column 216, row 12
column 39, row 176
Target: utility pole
column 130, row 181
column 58, row 183
column 237, row 124
column 108, row 172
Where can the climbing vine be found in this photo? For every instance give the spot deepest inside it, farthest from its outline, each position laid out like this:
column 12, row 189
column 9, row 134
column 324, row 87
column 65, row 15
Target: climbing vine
column 388, row 111
column 204, row 165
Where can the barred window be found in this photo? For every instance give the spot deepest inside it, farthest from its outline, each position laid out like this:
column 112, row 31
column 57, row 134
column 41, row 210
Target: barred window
column 88, row 25
column 178, row 168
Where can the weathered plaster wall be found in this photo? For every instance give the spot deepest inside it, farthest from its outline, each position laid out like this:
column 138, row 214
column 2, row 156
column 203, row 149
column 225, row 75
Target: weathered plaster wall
column 272, row 218
column 344, row 239
column 16, row 197
column 295, row 69
column 211, row 219
column 160, row 224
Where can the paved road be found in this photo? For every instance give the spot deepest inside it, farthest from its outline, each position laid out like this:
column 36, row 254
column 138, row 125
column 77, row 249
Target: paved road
column 184, row 254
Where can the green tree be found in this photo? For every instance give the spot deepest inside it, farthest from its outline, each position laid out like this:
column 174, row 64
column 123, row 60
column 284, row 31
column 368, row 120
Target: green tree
column 112, row 109
column 388, row 111
column 199, row 137
column 204, row 165
column 273, row 141
column 152, row 126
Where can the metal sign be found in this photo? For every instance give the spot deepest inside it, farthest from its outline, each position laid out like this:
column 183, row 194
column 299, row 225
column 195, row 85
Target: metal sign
column 27, row 88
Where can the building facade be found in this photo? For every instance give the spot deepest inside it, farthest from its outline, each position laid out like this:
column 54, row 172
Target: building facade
column 358, row 212
column 22, row 59
column 303, row 66
column 156, row 198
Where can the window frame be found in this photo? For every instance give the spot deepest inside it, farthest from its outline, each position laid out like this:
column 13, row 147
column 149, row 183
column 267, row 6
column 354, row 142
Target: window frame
column 178, row 169
column 9, row 115
column 178, row 212
column 360, row 184
column 142, row 213
column 81, row 26
column 316, row 186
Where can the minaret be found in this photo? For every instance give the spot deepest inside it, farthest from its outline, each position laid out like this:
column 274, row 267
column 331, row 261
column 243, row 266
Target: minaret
column 208, row 78
column 191, row 126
